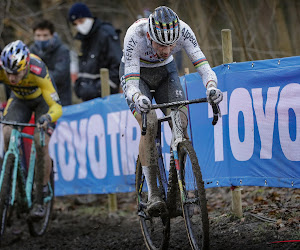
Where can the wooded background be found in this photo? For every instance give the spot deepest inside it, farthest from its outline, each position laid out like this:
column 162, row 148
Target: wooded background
column 261, row 29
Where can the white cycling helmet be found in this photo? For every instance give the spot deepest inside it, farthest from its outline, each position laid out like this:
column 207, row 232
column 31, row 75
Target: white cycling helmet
column 164, row 26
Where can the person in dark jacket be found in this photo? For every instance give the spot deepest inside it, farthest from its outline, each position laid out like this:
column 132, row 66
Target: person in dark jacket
column 56, row 55
column 100, row 48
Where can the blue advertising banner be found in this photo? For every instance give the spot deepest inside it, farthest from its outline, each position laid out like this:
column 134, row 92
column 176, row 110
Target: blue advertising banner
column 95, row 146
column 256, row 141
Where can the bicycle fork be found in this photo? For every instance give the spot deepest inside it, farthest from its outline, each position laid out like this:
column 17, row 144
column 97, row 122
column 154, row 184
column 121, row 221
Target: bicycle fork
column 163, row 178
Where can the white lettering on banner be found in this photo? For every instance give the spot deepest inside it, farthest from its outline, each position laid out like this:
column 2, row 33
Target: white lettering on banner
column 123, row 146
column 265, row 120
column 240, row 101
column 80, row 145
column 65, row 144
column 289, row 99
column 113, row 128
column 218, row 128
column 96, row 132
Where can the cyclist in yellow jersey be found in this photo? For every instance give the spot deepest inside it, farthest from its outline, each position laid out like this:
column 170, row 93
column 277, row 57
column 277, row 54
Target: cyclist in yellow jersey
column 32, row 91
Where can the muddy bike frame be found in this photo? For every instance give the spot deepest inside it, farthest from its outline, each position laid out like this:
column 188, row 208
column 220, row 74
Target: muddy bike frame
column 177, row 132
column 14, row 148
column 21, row 177
column 180, row 148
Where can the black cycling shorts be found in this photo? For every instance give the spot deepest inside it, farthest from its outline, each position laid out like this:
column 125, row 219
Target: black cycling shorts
column 161, row 83
column 21, row 110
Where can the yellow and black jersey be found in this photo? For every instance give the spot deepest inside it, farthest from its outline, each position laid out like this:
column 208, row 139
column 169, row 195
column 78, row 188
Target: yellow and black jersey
column 37, row 82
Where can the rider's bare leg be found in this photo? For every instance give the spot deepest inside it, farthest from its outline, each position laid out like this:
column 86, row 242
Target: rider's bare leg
column 43, row 176
column 148, row 157
column 45, row 171
column 147, row 149
column 6, row 134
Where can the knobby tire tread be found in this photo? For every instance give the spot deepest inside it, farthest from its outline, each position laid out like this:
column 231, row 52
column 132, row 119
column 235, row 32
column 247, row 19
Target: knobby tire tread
column 35, row 228
column 5, row 194
column 186, row 146
column 147, row 239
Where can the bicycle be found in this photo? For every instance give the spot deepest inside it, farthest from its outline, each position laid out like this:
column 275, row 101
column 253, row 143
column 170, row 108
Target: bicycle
column 19, row 185
column 184, row 185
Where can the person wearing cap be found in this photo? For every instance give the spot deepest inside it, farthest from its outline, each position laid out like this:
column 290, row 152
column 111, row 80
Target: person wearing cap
column 100, row 48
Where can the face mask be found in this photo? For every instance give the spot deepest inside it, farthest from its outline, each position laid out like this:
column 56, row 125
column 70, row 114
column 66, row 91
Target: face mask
column 85, row 27
column 43, row 45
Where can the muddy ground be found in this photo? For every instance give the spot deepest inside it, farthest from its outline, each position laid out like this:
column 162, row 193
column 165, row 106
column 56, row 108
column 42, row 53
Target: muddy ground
column 271, row 215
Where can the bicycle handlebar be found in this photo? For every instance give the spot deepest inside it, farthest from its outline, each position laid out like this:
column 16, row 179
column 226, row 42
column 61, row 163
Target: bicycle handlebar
column 17, row 124
column 215, row 107
column 178, row 103
column 20, row 124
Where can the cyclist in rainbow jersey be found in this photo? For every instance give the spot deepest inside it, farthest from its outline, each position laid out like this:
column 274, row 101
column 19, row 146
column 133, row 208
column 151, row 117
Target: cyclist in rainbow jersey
column 148, row 71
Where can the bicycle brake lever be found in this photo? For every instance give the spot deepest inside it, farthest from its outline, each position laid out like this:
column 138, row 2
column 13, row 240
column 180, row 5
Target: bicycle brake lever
column 144, row 123
column 217, row 113
column 42, row 137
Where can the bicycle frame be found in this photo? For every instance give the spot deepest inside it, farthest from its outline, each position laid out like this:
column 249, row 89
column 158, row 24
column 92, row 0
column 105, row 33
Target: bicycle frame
column 177, row 135
column 26, row 183
column 177, row 187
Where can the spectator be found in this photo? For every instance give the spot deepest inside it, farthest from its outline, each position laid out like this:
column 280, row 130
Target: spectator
column 56, row 55
column 100, row 48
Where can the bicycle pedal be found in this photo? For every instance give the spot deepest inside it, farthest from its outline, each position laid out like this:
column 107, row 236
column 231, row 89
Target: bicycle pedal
column 142, row 214
column 158, row 210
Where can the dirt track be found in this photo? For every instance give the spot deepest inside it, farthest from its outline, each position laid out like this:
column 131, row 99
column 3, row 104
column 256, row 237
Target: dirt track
column 90, row 226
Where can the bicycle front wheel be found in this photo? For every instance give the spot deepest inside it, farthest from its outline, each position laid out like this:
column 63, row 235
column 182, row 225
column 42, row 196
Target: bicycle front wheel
column 194, row 198
column 5, row 193
column 156, row 230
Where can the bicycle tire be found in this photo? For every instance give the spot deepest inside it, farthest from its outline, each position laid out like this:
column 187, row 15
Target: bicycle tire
column 5, row 194
column 38, row 228
column 193, row 201
column 155, row 230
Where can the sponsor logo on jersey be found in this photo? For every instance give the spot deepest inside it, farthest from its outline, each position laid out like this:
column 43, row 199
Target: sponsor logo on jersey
column 129, row 49
column 187, row 35
column 35, row 69
column 54, row 97
column 23, row 90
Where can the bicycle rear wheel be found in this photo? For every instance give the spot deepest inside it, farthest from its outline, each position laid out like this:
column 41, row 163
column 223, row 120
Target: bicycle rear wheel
column 5, row 193
column 194, row 198
column 156, row 230
column 38, row 228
